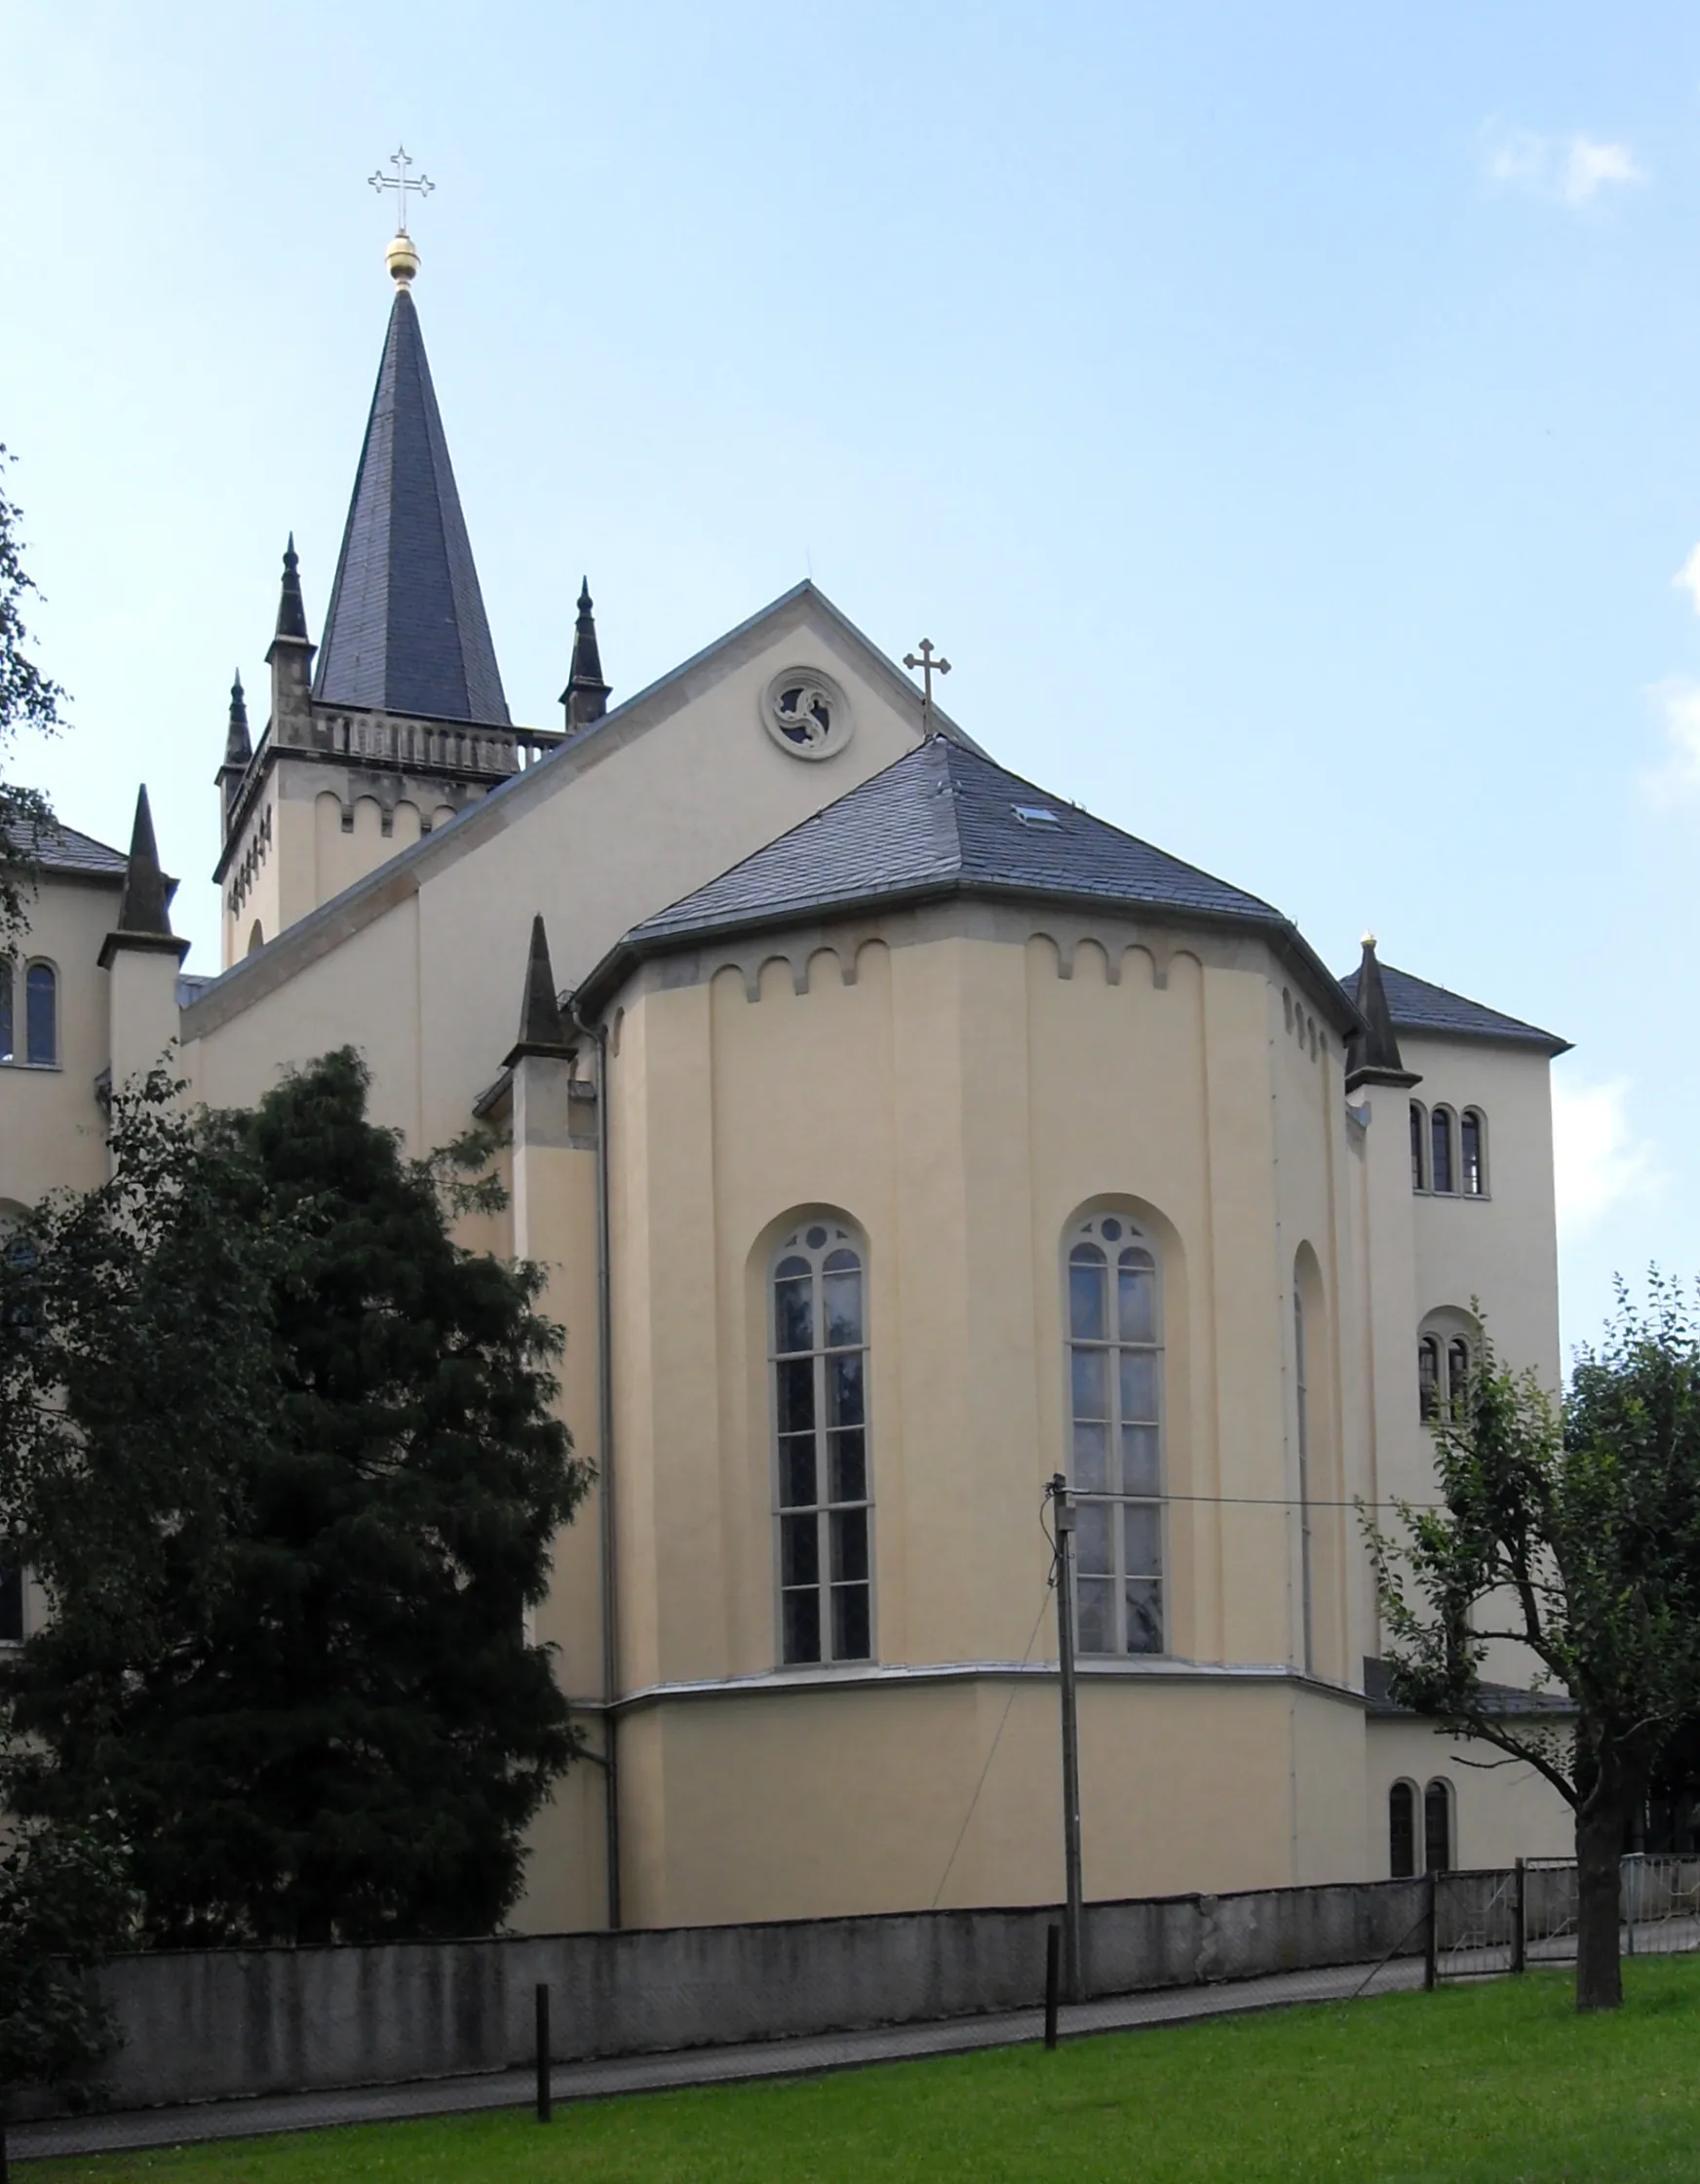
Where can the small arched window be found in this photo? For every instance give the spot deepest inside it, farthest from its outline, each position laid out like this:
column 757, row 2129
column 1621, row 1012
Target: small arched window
column 1441, row 1149
column 1402, row 1831
column 6, row 1018
column 255, row 939
column 1438, row 1850
column 41, row 1014
column 1115, row 1374
column 1457, row 1376
column 819, row 1362
column 1472, row 1153
column 1419, row 1132
column 1428, row 1378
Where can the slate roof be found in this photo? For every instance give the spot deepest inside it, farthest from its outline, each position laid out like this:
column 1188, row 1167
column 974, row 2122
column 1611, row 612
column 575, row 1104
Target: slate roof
column 1496, row 1698
column 943, row 820
column 406, row 631
column 1418, row 1007
column 64, row 849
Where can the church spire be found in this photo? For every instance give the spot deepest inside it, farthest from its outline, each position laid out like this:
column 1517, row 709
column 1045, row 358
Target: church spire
column 586, row 696
column 291, row 614
column 407, row 630
column 1372, row 1054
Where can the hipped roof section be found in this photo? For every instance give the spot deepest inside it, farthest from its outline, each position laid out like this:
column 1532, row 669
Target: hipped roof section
column 945, row 820
column 1421, row 1010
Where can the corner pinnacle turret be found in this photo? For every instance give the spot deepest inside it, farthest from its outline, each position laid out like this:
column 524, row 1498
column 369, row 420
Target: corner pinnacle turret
column 586, row 696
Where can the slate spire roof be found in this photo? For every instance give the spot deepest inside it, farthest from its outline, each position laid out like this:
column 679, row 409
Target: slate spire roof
column 237, row 749
column 943, row 820
column 406, row 631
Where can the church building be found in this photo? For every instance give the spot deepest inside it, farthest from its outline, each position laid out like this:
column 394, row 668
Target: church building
column 896, row 1135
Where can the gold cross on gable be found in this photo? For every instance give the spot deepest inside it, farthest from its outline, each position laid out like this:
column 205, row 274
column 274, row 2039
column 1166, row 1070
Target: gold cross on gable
column 400, row 181
column 929, row 666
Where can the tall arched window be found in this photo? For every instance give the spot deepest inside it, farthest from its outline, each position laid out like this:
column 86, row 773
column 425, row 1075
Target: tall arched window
column 1419, row 1131
column 41, row 1014
column 819, row 1363
column 1441, row 1149
column 1402, row 1831
column 1472, row 1153
column 1303, row 1393
column 11, row 1605
column 1115, row 1371
column 1428, row 1377
column 1437, row 1827
column 5, row 1008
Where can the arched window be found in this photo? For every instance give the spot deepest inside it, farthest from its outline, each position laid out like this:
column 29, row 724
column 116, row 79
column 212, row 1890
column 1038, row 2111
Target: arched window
column 1472, row 1153
column 1428, row 1377
column 11, row 1605
column 255, row 939
column 1115, row 1372
column 1441, row 1153
column 1402, row 1831
column 1437, row 1827
column 1457, row 1376
column 41, row 1012
column 825, row 1503
column 6, row 1054
column 1303, row 1394
column 1419, row 1131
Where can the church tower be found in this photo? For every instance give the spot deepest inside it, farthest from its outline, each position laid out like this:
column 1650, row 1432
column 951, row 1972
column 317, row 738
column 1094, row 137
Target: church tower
column 403, row 723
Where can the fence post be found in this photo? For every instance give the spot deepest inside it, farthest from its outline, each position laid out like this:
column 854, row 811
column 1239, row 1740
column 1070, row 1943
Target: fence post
column 545, row 2091
column 1053, row 1971
column 1431, row 1937
column 1519, row 1924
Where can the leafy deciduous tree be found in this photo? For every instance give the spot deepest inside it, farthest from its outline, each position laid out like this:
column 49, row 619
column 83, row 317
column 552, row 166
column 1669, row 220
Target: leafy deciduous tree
column 1575, row 1534
column 28, row 699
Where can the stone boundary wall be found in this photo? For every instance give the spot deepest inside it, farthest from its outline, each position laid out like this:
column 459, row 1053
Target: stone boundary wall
column 222, row 2024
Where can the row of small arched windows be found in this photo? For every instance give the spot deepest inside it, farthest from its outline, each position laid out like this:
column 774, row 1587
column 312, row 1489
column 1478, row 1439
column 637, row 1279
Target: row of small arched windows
column 1438, row 1842
column 1449, row 1153
column 30, row 1013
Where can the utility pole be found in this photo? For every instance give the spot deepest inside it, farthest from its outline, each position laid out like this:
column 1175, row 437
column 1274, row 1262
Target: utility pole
column 1064, row 1507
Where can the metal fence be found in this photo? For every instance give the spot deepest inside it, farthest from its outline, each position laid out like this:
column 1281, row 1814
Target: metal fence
column 1505, row 1919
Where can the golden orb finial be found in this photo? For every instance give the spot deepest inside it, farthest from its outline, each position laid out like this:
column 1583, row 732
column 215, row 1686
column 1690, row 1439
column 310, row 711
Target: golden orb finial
column 1368, row 940
column 401, row 259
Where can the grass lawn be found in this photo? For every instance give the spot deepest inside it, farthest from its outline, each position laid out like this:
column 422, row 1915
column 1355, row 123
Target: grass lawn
column 1499, row 2084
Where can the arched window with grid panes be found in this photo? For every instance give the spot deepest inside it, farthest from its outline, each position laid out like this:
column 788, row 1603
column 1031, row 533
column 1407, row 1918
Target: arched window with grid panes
column 1115, row 1383
column 824, row 1486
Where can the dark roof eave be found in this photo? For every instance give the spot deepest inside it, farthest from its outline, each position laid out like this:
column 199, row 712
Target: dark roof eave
column 1287, row 943
column 1531, row 1041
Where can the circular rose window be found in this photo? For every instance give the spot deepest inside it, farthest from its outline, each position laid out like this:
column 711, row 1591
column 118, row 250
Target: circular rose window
column 806, row 713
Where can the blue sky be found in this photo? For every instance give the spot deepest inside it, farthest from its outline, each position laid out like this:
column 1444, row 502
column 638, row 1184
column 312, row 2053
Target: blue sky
column 1288, row 420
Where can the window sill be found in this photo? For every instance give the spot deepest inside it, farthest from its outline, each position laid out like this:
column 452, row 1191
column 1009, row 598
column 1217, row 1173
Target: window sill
column 34, row 1069
column 1454, row 1197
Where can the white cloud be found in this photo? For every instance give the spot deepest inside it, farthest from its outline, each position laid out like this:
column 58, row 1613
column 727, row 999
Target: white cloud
column 1688, row 578
column 1567, row 171
column 1677, row 700
column 1599, row 1163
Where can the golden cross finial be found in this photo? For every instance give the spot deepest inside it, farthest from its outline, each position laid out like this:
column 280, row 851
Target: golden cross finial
column 400, row 181
column 929, row 666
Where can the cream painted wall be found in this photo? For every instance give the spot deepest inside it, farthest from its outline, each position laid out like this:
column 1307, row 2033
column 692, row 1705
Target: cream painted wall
column 1509, row 1813
column 52, row 1131
column 961, row 1085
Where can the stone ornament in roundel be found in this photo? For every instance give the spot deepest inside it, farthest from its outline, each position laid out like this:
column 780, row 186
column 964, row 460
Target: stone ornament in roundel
column 806, row 713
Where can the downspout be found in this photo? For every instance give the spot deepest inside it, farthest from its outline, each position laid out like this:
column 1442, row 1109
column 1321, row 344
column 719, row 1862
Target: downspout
column 606, row 1468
